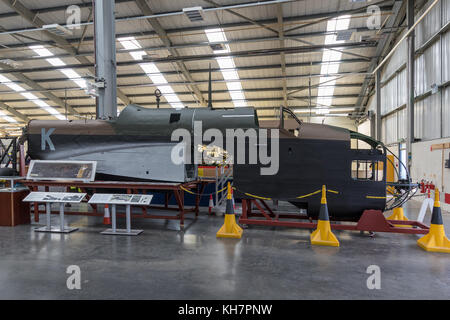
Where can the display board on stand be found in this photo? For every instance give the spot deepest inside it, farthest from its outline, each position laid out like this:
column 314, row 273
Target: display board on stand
column 126, row 200
column 83, row 171
column 55, row 197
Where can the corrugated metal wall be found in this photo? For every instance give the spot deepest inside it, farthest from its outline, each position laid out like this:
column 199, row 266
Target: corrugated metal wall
column 432, row 108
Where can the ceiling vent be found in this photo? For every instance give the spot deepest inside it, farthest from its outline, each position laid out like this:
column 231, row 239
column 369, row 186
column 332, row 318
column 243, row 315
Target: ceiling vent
column 194, row 14
column 217, row 47
column 344, row 35
column 57, row 29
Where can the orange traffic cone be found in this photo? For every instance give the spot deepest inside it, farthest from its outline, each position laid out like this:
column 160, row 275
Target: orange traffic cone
column 211, row 204
column 435, row 240
column 107, row 216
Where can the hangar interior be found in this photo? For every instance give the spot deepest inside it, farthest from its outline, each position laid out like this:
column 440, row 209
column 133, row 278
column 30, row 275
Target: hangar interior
column 77, row 74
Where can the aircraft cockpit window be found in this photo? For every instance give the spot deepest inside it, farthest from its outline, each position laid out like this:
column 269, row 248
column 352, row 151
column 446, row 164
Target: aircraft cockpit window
column 358, row 144
column 367, row 170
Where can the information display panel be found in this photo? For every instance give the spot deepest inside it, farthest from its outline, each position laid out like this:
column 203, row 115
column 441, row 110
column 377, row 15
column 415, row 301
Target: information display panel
column 62, row 170
column 55, row 197
column 121, row 199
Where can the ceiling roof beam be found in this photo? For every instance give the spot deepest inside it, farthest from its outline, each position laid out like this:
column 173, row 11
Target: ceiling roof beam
column 142, row 95
column 269, row 52
column 295, row 89
column 133, row 63
column 14, row 112
column 269, row 89
column 183, row 83
column 294, row 37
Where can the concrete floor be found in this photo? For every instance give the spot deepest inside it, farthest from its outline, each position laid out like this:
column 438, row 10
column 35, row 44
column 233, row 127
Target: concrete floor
column 267, row 263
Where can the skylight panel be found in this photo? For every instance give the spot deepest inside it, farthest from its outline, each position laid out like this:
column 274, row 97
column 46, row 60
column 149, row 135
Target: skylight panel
column 29, row 96
column 325, row 93
column 227, row 67
column 56, row 62
column 152, row 71
column 234, row 86
column 226, row 63
column 230, row 75
column 158, row 79
column 216, row 35
column 149, row 68
column 14, row 87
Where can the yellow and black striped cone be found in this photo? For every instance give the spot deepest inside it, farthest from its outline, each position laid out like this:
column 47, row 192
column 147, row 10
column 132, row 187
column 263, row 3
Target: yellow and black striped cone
column 323, row 236
column 435, row 240
column 230, row 229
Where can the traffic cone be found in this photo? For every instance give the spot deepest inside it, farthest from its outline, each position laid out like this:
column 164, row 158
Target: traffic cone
column 230, row 229
column 107, row 216
column 211, row 204
column 323, row 236
column 435, row 240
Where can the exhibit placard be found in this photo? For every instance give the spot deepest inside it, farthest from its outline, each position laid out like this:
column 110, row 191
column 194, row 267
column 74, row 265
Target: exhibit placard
column 121, row 199
column 55, row 197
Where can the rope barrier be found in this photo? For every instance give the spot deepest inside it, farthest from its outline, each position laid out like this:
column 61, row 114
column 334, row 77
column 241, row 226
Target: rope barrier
column 204, row 194
column 268, row 199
